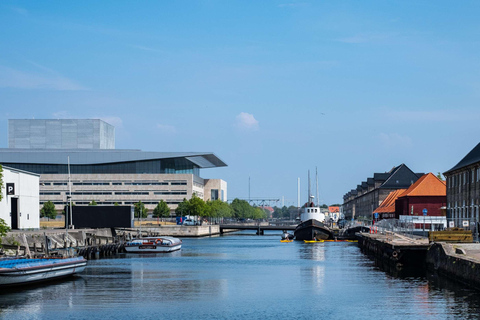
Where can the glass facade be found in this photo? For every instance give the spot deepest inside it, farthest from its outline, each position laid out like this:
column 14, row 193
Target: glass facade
column 175, row 166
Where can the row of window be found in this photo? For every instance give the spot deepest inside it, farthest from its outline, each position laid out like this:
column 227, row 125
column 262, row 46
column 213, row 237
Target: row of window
column 180, row 183
column 172, row 192
column 459, row 179
column 107, row 192
column 112, row 202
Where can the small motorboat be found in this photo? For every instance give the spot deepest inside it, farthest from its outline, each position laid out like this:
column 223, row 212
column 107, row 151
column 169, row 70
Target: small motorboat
column 153, row 245
column 22, row 271
column 287, row 236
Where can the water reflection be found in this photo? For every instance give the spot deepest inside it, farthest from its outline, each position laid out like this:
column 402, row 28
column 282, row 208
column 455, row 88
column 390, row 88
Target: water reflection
column 30, row 299
column 244, row 277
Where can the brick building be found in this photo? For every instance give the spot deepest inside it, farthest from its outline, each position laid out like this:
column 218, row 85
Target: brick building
column 428, row 193
column 463, row 189
column 362, row 201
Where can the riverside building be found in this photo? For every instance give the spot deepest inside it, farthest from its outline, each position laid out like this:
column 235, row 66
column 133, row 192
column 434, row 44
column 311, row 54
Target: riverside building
column 369, row 195
column 19, row 206
column 463, row 190
column 100, row 173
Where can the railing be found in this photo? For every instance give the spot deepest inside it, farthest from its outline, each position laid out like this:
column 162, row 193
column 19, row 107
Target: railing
column 415, row 226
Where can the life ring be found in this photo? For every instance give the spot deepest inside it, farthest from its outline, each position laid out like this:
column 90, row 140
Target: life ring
column 395, row 254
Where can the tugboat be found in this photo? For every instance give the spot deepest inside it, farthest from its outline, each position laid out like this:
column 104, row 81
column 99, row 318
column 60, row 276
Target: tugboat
column 312, row 224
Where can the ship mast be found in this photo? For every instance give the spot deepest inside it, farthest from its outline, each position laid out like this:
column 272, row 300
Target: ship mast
column 309, row 193
column 316, row 180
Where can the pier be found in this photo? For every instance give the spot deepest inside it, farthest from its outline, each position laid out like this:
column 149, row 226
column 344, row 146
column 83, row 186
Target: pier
column 394, row 249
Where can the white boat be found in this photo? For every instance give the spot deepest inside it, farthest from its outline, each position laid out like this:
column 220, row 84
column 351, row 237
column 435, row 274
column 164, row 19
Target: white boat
column 20, row 271
column 153, row 245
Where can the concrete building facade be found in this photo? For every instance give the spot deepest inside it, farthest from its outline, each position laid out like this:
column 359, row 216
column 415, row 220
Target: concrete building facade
column 19, row 206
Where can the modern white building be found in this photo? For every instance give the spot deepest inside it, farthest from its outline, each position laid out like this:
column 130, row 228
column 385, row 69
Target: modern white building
column 100, row 173
column 19, row 206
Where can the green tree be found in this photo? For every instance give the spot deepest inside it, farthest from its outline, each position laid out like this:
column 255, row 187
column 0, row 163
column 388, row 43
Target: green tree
column 182, row 208
column 140, row 210
column 219, row 209
column 161, row 210
column 93, row 203
column 197, row 207
column 116, row 204
column 242, row 209
column 4, row 228
column 1, row 182
column 440, row 176
column 48, row 210
column 259, row 213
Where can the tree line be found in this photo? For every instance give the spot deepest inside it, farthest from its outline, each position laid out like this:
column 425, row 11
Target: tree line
column 195, row 206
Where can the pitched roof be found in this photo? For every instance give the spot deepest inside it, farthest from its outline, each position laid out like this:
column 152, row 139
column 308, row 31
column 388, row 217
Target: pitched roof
column 400, row 177
column 334, row 209
column 427, row 185
column 472, row 157
column 388, row 205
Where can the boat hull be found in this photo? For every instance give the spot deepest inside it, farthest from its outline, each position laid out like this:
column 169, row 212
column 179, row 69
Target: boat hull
column 153, row 245
column 46, row 272
column 351, row 233
column 312, row 230
column 152, row 248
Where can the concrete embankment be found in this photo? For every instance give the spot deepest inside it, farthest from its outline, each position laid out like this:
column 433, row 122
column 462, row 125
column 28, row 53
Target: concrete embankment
column 91, row 243
column 460, row 262
column 181, row 231
column 395, row 250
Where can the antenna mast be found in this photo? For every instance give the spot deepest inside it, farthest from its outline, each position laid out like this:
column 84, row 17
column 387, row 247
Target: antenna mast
column 309, row 193
column 316, row 179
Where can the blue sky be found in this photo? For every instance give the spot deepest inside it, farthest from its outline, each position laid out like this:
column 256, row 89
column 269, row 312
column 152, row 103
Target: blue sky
column 273, row 88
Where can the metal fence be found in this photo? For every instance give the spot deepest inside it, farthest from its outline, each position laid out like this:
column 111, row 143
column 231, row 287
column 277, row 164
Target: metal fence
column 421, row 225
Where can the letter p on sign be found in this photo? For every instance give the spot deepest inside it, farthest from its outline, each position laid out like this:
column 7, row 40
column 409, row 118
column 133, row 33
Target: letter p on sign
column 10, row 189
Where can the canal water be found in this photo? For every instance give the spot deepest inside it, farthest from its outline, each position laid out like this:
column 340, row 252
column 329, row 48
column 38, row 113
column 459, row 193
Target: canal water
column 242, row 276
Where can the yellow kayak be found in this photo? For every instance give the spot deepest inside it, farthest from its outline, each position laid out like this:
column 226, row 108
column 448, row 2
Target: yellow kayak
column 313, row 241
column 286, row 240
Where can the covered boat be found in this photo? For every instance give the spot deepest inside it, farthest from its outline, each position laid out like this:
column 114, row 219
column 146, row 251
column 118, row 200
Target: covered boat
column 311, row 226
column 21, row 271
column 153, row 245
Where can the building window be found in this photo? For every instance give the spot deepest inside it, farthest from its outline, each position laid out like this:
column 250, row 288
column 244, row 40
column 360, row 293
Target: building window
column 214, row 194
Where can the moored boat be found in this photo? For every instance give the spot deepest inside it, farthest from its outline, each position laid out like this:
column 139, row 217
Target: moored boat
column 153, row 245
column 21, row 271
column 311, row 226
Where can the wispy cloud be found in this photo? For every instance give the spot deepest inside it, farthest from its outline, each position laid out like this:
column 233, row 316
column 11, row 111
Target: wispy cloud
column 62, row 114
column 117, row 122
column 292, row 5
column 20, row 11
column 166, row 128
column 365, row 38
column 145, row 48
column 434, row 115
column 395, row 140
column 246, row 121
column 12, row 78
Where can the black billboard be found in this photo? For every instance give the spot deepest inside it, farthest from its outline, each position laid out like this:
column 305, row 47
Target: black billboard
column 101, row 216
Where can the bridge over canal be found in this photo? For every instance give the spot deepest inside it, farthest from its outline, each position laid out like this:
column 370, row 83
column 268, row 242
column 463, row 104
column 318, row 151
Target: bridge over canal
column 259, row 228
